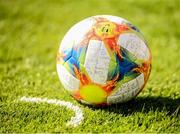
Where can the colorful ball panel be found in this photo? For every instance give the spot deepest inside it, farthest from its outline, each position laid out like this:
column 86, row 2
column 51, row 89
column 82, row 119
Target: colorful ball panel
column 103, row 60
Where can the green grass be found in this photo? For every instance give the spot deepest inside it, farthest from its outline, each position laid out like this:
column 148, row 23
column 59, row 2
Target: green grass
column 30, row 32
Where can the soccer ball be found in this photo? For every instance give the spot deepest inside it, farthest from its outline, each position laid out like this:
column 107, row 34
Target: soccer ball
column 103, row 60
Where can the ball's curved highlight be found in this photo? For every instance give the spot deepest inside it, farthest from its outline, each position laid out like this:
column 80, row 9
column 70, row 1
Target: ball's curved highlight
column 103, row 60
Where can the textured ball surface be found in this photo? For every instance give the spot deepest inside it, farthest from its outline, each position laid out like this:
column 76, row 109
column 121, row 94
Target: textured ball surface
column 103, row 60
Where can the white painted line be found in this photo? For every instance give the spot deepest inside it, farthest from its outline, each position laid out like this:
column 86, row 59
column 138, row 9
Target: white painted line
column 75, row 120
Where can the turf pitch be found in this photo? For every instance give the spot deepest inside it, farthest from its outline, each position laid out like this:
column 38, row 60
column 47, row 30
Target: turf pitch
column 30, row 32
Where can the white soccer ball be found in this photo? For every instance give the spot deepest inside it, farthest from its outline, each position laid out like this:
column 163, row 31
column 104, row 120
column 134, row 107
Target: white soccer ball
column 103, row 60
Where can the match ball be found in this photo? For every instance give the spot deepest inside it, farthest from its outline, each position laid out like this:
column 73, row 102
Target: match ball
column 103, row 60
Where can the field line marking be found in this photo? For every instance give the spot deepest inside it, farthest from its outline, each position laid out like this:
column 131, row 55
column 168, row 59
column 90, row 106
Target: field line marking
column 75, row 120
